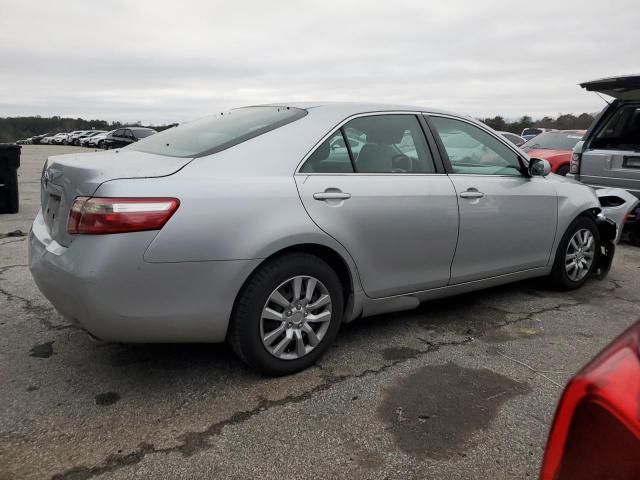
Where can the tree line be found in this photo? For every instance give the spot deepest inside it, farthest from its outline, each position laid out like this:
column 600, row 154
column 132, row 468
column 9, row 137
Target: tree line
column 17, row 128
column 565, row 121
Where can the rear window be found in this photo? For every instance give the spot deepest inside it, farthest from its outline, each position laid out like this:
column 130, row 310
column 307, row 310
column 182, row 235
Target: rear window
column 621, row 131
column 531, row 131
column 217, row 132
column 552, row 141
column 143, row 132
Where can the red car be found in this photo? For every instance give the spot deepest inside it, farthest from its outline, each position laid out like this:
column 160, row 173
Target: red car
column 555, row 147
column 596, row 430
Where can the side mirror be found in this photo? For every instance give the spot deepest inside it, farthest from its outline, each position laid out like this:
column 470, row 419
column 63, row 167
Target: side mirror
column 539, row 167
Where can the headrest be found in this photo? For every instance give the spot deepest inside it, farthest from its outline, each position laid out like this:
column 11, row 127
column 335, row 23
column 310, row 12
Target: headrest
column 389, row 131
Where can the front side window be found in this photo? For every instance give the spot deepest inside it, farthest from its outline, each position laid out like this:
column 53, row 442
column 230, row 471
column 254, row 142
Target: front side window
column 621, row 131
column 218, row 132
column 473, row 151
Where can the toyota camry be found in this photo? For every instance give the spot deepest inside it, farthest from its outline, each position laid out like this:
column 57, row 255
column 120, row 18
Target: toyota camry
column 270, row 226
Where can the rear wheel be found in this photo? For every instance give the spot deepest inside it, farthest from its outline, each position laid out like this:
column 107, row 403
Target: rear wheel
column 576, row 255
column 563, row 170
column 287, row 314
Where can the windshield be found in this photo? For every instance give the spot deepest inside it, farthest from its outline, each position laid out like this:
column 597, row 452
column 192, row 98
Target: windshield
column 531, row 131
column 217, row 132
column 553, row 141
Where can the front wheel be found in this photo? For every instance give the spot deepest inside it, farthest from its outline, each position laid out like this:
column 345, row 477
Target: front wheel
column 563, row 170
column 287, row 314
column 577, row 254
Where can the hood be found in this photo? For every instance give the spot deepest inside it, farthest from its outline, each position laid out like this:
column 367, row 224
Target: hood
column 564, row 179
column 550, row 155
column 547, row 154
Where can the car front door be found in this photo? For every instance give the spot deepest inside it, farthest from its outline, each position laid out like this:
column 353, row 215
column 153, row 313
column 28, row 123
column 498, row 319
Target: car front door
column 128, row 137
column 384, row 200
column 507, row 218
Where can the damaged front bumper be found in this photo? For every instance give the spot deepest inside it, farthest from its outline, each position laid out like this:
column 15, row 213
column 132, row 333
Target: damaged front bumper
column 608, row 230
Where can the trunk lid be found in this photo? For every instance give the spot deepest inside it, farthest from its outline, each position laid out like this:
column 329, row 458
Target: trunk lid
column 622, row 88
column 69, row 176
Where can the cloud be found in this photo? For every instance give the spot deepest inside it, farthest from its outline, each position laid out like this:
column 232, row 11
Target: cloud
column 159, row 61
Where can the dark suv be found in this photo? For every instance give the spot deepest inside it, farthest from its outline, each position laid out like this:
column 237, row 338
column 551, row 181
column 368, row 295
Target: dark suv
column 126, row 136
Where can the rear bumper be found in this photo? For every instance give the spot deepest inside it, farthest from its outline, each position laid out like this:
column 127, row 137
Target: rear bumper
column 103, row 284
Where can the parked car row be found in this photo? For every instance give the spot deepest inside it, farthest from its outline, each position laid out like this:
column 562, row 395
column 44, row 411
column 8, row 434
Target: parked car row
column 120, row 137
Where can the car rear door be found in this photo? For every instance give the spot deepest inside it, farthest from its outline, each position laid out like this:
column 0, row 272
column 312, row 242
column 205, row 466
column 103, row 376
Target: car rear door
column 507, row 219
column 385, row 201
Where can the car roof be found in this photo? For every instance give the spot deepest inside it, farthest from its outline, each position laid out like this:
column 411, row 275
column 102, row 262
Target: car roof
column 354, row 108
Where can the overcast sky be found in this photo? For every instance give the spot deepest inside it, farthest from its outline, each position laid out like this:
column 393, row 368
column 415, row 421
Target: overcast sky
column 164, row 61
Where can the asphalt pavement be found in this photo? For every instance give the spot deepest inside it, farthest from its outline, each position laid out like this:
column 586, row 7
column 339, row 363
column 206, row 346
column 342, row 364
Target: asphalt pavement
column 461, row 388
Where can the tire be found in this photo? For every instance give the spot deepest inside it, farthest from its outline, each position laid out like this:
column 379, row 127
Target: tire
column 560, row 277
column 248, row 325
column 563, row 170
column 100, row 144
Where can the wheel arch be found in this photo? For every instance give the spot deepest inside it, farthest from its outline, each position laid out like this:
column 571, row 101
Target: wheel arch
column 344, row 268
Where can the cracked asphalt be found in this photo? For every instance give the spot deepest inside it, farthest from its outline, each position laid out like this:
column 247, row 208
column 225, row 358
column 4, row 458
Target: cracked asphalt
column 460, row 388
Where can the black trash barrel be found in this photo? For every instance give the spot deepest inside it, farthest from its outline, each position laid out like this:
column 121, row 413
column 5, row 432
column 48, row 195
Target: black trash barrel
column 9, row 164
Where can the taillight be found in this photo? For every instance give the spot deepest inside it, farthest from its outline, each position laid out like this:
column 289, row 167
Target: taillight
column 118, row 215
column 596, row 430
column 574, row 165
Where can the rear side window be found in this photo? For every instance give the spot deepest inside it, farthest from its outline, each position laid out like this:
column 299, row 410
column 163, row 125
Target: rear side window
column 621, row 131
column 218, row 132
column 374, row 144
column 331, row 156
column 531, row 131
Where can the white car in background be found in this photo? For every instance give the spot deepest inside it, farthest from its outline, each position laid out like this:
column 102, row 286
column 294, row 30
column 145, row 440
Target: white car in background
column 83, row 140
column 60, row 138
column 98, row 140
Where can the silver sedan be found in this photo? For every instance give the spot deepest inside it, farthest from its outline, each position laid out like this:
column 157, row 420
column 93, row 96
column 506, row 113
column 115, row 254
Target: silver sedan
column 270, row 226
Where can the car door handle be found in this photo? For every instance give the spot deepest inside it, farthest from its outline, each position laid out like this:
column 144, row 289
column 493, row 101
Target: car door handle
column 471, row 193
column 332, row 196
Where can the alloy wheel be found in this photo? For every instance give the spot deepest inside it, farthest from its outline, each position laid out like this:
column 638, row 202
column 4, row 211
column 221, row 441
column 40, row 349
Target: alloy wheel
column 580, row 253
column 295, row 317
